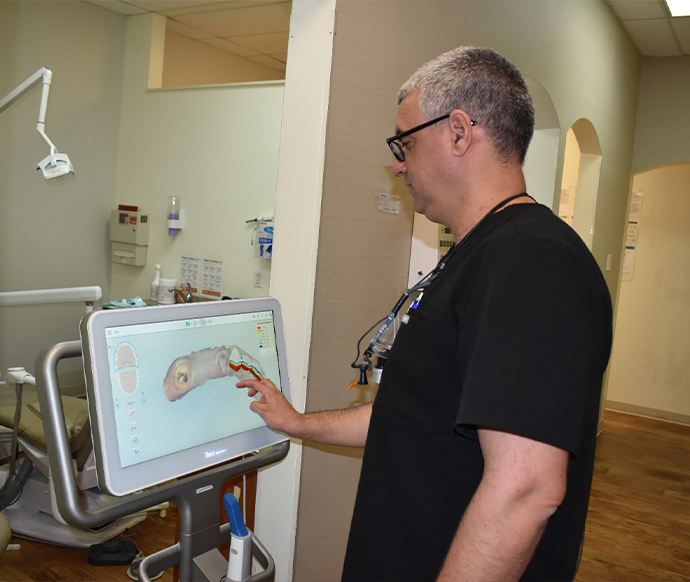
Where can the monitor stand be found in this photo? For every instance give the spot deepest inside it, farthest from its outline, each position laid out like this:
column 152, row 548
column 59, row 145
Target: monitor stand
column 201, row 534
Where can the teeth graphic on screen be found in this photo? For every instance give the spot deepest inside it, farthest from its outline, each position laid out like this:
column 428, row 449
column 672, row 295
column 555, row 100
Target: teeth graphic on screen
column 127, row 363
column 197, row 368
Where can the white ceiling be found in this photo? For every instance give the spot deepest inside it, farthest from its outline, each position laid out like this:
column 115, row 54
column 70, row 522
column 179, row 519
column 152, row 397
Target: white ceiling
column 254, row 29
column 651, row 27
column 258, row 29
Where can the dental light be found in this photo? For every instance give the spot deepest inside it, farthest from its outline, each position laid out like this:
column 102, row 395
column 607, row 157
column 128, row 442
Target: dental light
column 55, row 166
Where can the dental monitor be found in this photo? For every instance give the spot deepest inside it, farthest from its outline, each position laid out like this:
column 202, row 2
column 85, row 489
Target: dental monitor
column 161, row 387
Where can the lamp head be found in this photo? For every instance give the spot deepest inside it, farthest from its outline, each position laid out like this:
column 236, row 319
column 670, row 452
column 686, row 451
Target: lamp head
column 56, row 167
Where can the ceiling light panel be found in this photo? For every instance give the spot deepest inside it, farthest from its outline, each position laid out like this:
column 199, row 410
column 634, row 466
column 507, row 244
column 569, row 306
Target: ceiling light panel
column 679, row 7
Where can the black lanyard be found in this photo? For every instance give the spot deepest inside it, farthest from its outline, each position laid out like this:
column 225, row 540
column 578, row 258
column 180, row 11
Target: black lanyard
column 425, row 282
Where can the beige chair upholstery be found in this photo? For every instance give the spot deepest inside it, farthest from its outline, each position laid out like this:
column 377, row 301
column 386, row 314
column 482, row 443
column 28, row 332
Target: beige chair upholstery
column 31, row 425
column 5, row 533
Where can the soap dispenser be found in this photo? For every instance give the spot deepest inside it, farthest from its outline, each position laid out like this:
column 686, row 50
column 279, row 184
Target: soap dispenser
column 156, row 285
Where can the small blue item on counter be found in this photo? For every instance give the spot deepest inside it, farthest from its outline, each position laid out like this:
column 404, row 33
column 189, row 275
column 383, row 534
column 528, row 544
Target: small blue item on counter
column 134, row 302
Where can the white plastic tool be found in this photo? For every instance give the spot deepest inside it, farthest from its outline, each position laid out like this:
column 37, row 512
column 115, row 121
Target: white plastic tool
column 240, row 562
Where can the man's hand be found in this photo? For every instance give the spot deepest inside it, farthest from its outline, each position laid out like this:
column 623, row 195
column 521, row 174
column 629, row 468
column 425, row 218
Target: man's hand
column 347, row 427
column 273, row 407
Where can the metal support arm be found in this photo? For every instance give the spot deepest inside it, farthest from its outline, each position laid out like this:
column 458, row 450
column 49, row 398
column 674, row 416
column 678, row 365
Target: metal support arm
column 45, row 296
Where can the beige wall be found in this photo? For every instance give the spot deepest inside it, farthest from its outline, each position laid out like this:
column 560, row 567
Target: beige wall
column 662, row 134
column 649, row 371
column 584, row 60
column 216, row 148
column 54, row 234
column 646, row 371
column 190, row 62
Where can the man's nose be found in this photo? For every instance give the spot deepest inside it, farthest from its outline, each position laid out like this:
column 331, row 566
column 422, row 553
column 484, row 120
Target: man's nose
column 399, row 168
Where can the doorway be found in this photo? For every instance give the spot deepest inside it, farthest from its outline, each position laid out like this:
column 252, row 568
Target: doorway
column 580, row 181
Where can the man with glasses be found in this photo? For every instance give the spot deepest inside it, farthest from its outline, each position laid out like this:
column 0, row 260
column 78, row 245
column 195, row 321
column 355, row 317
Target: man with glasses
column 479, row 446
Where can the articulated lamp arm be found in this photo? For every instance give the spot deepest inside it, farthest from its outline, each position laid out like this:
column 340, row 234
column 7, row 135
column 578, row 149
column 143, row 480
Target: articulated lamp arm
column 56, row 165
column 42, row 74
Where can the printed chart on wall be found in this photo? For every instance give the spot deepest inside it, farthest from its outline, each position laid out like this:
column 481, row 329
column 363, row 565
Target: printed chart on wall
column 190, row 272
column 212, row 278
column 632, row 235
column 174, row 382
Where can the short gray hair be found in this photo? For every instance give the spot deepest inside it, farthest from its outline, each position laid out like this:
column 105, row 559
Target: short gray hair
column 487, row 87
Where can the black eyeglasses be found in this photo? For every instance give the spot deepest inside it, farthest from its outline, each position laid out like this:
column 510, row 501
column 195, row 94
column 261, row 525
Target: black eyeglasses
column 396, row 147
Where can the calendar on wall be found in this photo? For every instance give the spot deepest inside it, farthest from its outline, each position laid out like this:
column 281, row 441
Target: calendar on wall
column 632, row 235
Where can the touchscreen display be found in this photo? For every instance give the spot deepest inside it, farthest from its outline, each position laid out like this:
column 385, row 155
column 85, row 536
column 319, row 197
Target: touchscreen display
column 173, row 382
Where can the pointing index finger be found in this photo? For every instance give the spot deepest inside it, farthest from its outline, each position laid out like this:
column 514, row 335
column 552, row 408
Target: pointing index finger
column 248, row 384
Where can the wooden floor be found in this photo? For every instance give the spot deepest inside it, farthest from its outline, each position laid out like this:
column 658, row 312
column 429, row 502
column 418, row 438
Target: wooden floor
column 47, row 563
column 638, row 526
column 638, row 529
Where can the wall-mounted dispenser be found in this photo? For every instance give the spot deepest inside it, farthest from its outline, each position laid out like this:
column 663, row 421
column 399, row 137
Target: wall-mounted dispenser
column 175, row 216
column 264, row 241
column 263, row 236
column 129, row 235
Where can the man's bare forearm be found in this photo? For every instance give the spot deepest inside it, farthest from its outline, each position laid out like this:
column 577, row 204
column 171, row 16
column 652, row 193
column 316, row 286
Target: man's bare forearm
column 524, row 483
column 347, row 427
column 494, row 543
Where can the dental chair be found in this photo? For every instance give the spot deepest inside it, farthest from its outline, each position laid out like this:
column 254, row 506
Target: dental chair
column 31, row 510
column 29, row 504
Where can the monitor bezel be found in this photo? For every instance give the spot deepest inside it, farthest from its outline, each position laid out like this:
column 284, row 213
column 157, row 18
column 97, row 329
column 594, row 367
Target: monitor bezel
column 120, row 481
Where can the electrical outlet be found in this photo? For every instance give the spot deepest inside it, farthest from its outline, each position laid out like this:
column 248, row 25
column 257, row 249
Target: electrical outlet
column 257, row 278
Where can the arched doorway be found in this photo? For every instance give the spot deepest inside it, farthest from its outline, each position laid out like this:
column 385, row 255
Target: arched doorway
column 542, row 157
column 649, row 373
column 580, row 181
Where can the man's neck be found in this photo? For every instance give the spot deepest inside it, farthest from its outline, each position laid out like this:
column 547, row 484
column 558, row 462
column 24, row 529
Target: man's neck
column 492, row 187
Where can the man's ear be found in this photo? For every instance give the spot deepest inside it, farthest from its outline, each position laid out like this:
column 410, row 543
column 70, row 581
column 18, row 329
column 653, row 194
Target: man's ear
column 462, row 129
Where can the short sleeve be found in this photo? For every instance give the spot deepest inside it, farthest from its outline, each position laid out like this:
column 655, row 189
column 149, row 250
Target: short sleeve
column 542, row 338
